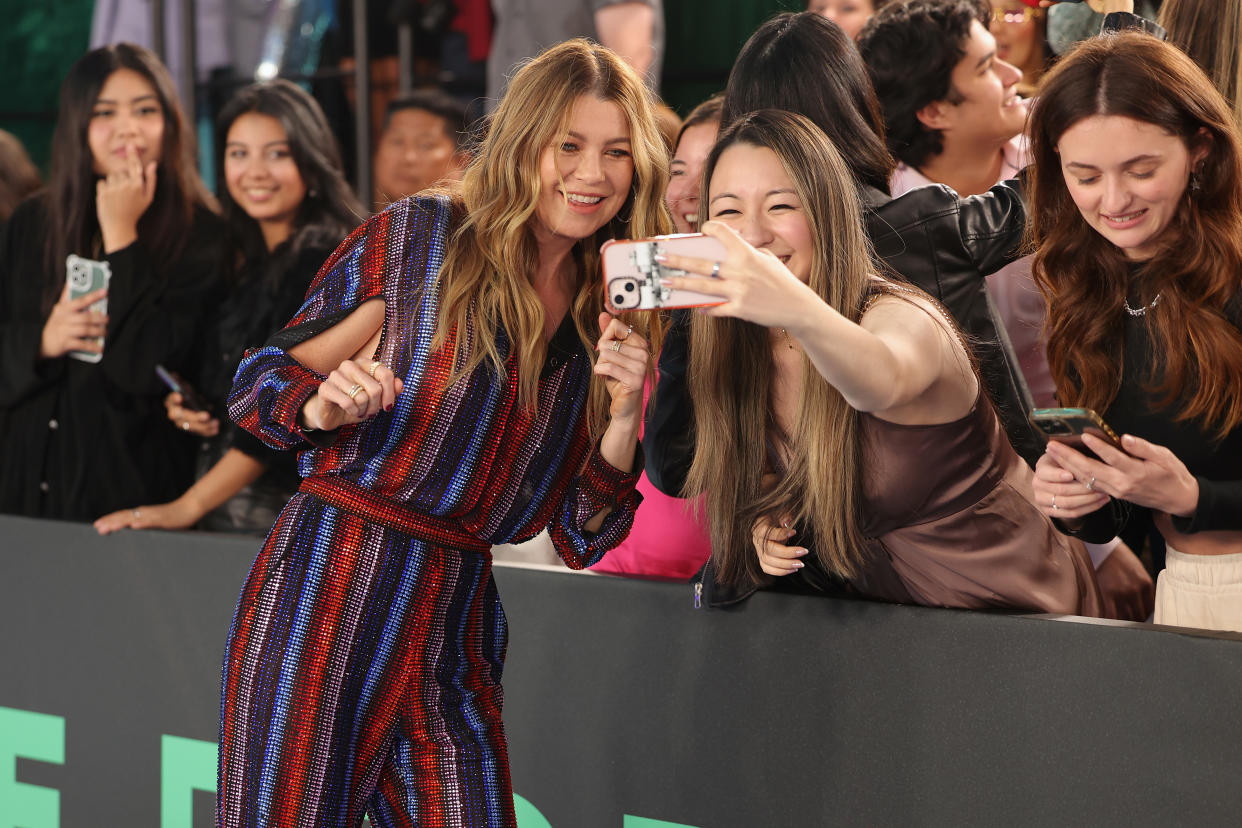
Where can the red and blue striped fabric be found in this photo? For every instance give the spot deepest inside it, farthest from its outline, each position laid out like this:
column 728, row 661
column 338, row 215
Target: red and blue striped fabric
column 363, row 665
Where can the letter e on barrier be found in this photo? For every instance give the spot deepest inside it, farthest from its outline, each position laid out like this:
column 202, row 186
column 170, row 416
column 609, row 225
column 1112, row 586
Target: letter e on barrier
column 37, row 736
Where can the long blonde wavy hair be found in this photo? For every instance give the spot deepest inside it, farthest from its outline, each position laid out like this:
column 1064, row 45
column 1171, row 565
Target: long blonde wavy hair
column 731, row 371
column 489, row 261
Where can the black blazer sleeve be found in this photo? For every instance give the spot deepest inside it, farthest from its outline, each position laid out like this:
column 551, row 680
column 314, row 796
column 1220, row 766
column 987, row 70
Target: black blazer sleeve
column 668, row 436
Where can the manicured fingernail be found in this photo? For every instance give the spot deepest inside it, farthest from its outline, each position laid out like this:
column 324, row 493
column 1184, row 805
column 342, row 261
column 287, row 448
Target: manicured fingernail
column 666, row 282
column 802, row 552
column 660, row 257
column 797, row 564
column 389, row 407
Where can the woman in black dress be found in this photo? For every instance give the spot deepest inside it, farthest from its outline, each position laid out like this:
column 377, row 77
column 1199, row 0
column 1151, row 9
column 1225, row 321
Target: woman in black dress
column 284, row 195
column 82, row 424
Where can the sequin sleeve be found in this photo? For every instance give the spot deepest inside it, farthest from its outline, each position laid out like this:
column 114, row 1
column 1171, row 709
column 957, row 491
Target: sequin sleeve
column 598, row 486
column 270, row 386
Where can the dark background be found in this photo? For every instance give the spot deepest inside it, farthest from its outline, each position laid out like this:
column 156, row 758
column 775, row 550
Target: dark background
column 623, row 699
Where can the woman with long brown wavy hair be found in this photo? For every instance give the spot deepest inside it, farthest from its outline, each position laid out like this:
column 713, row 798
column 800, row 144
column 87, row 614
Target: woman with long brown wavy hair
column 849, row 437
column 1137, row 214
column 454, row 383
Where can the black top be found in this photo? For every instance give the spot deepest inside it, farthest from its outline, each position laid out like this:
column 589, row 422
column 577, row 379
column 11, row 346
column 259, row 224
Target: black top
column 79, row 440
column 262, row 300
column 1216, row 465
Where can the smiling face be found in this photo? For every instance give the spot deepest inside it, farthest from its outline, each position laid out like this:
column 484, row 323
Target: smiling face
column 586, row 176
column 686, row 175
column 752, row 192
column 127, row 118
column 259, row 171
column 989, row 108
column 850, row 15
column 1127, row 177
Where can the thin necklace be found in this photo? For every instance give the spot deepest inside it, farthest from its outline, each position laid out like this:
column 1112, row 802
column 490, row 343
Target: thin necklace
column 788, row 338
column 1140, row 311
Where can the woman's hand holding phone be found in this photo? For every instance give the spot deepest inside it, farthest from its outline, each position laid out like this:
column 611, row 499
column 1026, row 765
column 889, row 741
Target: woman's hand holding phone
column 187, row 419
column 1058, row 491
column 755, row 284
column 355, row 391
column 72, row 327
column 1144, row 474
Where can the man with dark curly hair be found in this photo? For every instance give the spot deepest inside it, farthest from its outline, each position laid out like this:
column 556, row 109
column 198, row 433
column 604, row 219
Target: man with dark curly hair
column 950, row 104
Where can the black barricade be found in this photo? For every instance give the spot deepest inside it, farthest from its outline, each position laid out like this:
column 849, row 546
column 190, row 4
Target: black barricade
column 626, row 707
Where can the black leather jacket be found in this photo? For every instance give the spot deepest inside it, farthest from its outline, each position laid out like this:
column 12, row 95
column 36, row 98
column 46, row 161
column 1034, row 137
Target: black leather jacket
column 938, row 241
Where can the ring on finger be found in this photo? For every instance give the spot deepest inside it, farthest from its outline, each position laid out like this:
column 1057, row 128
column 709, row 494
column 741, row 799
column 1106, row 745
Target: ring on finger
column 353, row 392
column 716, row 270
column 1091, row 484
column 374, row 366
column 1054, row 502
column 628, row 331
column 137, row 514
column 185, row 425
column 616, row 344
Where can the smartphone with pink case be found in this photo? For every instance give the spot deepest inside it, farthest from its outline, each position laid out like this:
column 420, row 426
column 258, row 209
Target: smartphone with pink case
column 632, row 275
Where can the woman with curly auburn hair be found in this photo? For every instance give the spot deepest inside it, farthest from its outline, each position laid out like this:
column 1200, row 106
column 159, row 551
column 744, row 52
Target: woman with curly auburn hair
column 455, row 383
column 1137, row 218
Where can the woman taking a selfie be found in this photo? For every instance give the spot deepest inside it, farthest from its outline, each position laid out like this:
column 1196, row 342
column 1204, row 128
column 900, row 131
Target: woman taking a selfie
column 82, row 424
column 882, row 463
column 287, row 205
column 456, row 384
column 1137, row 213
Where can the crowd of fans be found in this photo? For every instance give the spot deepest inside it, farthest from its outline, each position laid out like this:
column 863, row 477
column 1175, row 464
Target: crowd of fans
column 939, row 215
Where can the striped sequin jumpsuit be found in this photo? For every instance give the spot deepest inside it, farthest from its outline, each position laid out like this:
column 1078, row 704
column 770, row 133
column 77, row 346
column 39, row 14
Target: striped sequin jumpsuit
column 362, row 671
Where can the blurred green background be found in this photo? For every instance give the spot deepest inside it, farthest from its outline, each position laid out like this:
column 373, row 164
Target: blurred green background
column 40, row 39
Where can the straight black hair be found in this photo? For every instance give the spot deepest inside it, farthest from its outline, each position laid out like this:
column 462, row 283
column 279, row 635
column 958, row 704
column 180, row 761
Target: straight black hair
column 72, row 220
column 804, row 63
column 329, row 210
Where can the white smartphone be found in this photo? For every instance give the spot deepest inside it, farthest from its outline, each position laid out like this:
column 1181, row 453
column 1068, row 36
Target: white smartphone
column 87, row 276
column 632, row 275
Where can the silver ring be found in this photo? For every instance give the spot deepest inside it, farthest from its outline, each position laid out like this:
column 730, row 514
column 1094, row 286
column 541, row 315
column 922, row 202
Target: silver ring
column 1091, row 484
column 628, row 331
column 616, row 344
column 1054, row 502
column 137, row 514
column 185, row 425
column 353, row 392
column 716, row 270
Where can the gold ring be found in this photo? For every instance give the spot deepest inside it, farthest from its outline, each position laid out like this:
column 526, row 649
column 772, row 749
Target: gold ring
column 374, row 365
column 353, row 392
column 616, row 344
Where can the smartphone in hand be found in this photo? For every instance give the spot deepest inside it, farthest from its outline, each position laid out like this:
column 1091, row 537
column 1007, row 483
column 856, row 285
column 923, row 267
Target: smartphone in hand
column 1068, row 425
column 190, row 398
column 87, row 276
column 632, row 275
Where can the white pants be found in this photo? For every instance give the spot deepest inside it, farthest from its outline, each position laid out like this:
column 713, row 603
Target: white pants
column 1203, row 591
